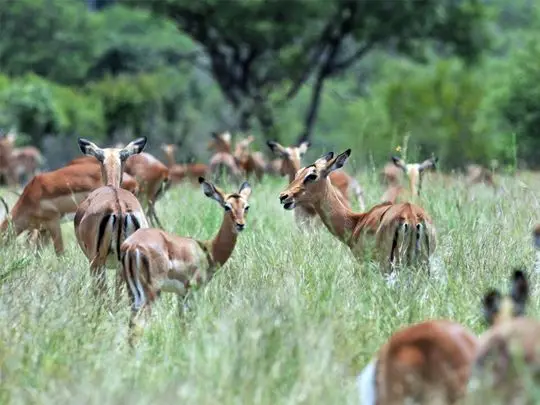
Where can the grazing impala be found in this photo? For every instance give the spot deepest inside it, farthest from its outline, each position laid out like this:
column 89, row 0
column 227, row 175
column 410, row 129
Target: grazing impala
column 403, row 233
column 180, row 172
column 426, row 363
column 48, row 197
column 155, row 261
column 508, row 358
column 291, row 163
column 223, row 161
column 110, row 214
column 414, row 172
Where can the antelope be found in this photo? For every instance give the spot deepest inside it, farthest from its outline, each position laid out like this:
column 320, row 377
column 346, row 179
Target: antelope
column 179, row 172
column 223, row 160
column 414, row 172
column 153, row 179
column 50, row 196
column 26, row 161
column 110, row 214
column 477, row 174
column 425, row 363
column 6, row 156
column 403, row 233
column 250, row 162
column 154, row 260
column 508, row 357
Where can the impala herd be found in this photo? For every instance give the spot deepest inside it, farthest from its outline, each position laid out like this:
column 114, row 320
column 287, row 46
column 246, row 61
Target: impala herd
column 112, row 193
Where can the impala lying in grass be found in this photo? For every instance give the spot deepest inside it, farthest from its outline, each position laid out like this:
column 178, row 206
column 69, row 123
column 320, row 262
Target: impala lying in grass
column 403, row 233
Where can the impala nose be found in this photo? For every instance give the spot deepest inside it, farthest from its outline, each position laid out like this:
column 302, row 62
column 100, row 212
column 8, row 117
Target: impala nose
column 240, row 227
column 283, row 197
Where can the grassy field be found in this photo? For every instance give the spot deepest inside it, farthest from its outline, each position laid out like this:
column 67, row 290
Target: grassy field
column 290, row 319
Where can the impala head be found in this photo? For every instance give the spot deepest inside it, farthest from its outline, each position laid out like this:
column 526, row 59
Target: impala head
column 112, row 159
column 311, row 180
column 414, row 171
column 291, row 156
column 499, row 308
column 221, row 142
column 236, row 205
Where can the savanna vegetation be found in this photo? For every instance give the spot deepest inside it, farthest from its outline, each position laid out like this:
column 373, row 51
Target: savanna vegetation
column 291, row 318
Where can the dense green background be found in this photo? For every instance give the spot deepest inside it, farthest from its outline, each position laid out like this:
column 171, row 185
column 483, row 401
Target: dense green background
column 459, row 78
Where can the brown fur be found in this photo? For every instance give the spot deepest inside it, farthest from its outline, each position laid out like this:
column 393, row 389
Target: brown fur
column 152, row 177
column 428, row 363
column 154, row 260
column 49, row 196
column 250, row 162
column 110, row 214
column 477, row 174
column 7, row 169
column 181, row 172
column 223, row 159
column 26, row 161
column 403, row 233
column 291, row 163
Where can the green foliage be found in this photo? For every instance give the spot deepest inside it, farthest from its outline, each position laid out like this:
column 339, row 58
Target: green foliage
column 37, row 107
column 54, row 39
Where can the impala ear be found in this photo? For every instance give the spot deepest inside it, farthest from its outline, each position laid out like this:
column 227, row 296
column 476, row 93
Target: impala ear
column 133, row 148
column 336, row 163
column 91, row 149
column 211, row 191
column 245, row 190
column 303, row 147
column 324, row 159
column 399, row 163
column 519, row 291
column 491, row 306
column 277, row 149
column 428, row 164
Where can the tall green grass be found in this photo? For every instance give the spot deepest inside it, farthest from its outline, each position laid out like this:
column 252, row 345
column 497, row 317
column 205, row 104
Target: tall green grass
column 290, row 319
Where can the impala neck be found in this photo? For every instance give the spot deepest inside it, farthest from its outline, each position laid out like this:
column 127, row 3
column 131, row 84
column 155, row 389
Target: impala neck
column 290, row 168
column 112, row 174
column 170, row 159
column 339, row 220
column 224, row 242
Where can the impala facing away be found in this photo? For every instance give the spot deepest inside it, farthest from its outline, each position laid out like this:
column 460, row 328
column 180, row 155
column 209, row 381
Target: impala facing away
column 426, row 363
column 414, row 173
column 155, row 261
column 508, row 359
column 291, row 163
column 403, row 233
column 110, row 214
column 50, row 196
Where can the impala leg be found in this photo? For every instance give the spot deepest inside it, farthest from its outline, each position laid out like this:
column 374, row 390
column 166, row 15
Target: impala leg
column 56, row 234
column 118, row 286
column 137, row 324
column 97, row 271
column 153, row 215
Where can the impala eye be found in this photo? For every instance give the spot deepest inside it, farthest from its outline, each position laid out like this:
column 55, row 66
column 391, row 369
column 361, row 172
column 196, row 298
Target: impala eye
column 227, row 207
column 310, row 178
column 246, row 209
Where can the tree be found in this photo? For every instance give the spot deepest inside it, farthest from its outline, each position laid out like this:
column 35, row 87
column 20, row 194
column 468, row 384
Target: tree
column 262, row 53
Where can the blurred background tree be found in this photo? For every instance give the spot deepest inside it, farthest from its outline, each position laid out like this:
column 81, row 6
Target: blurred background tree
column 458, row 77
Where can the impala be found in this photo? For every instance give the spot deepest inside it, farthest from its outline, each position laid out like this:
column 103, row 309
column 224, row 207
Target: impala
column 180, row 172
column 477, row 174
column 291, row 163
column 153, row 179
column 109, row 214
column 7, row 171
column 223, row 161
column 403, row 233
column 50, row 196
column 155, row 261
column 250, row 162
column 414, row 173
column 508, row 358
column 426, row 363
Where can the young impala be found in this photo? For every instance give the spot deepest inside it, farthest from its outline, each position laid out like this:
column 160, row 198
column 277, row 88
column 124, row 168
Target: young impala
column 291, row 163
column 426, row 363
column 155, row 261
column 403, row 233
column 414, row 173
column 110, row 214
column 508, row 359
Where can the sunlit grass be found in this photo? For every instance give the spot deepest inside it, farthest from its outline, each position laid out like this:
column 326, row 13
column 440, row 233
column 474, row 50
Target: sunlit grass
column 290, row 319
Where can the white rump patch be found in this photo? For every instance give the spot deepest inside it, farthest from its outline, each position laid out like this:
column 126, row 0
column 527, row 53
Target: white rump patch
column 365, row 383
